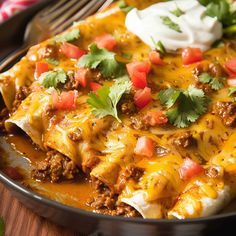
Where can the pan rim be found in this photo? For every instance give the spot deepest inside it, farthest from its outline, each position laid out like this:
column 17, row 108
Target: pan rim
column 17, row 187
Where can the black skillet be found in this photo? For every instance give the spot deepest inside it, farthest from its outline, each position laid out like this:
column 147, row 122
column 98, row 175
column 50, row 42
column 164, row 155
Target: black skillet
column 90, row 223
column 12, row 30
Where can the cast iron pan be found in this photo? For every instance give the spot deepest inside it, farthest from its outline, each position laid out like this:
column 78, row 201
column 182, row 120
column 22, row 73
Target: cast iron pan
column 12, row 30
column 89, row 223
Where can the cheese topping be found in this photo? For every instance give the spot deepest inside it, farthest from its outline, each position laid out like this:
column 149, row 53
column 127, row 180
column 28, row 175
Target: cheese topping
column 176, row 24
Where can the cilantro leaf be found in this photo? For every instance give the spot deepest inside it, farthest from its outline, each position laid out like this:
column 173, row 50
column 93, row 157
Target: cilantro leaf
column 205, row 78
column 215, row 83
column 186, row 106
column 232, row 90
column 218, row 9
column 169, row 97
column 104, row 102
column 102, row 59
column 53, row 78
column 223, row 11
column 171, row 24
column 67, row 36
column 177, row 12
column 52, row 61
column 159, row 46
column 124, row 7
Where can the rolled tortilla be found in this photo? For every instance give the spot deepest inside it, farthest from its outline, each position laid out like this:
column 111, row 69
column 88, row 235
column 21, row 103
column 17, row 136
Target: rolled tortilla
column 146, row 209
column 201, row 199
column 31, row 117
column 12, row 80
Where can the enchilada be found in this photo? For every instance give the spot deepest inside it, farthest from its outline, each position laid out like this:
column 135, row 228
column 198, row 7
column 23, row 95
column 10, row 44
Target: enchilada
column 152, row 126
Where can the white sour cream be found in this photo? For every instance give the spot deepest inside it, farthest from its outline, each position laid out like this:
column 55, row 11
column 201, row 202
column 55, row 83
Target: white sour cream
column 198, row 30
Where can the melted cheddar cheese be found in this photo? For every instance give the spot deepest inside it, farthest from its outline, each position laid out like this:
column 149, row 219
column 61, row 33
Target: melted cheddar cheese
column 113, row 143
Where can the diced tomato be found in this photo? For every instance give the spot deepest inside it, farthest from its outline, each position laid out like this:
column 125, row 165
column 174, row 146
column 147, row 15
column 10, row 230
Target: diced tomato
column 72, row 51
column 145, row 147
column 64, row 101
column 142, row 97
column 191, row 55
column 106, row 41
column 189, row 169
column 13, row 173
column 231, row 81
column 95, row 86
column 155, row 58
column 41, row 68
column 138, row 72
column 230, row 66
column 81, row 76
column 154, row 118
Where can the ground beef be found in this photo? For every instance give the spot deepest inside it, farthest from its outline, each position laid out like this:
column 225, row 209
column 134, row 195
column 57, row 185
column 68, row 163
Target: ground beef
column 54, row 168
column 214, row 69
column 50, row 51
column 71, row 83
column 76, row 135
column 184, row 140
column 104, row 201
column 131, row 172
column 226, row 111
column 205, row 87
column 21, row 94
column 138, row 123
column 126, row 105
column 4, row 114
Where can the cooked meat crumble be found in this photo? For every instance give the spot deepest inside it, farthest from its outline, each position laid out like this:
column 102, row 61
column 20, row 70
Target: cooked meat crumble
column 127, row 105
column 54, row 168
column 76, row 135
column 105, row 201
column 21, row 94
column 184, row 140
column 130, row 172
column 226, row 111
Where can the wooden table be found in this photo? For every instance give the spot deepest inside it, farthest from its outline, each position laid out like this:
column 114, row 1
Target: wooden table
column 20, row 221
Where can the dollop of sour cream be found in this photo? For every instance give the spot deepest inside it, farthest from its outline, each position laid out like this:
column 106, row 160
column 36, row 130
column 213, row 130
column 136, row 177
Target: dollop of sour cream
column 196, row 29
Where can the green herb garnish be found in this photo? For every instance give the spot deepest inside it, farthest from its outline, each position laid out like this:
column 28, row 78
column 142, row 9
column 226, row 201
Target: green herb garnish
column 215, row 83
column 124, row 7
column 184, row 107
column 104, row 101
column 67, row 36
column 53, row 78
column 159, row 46
column 102, row 59
column 177, row 12
column 52, row 61
column 232, row 90
column 224, row 13
column 171, row 24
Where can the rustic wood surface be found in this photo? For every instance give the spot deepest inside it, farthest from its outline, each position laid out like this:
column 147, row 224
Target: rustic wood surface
column 20, row 221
